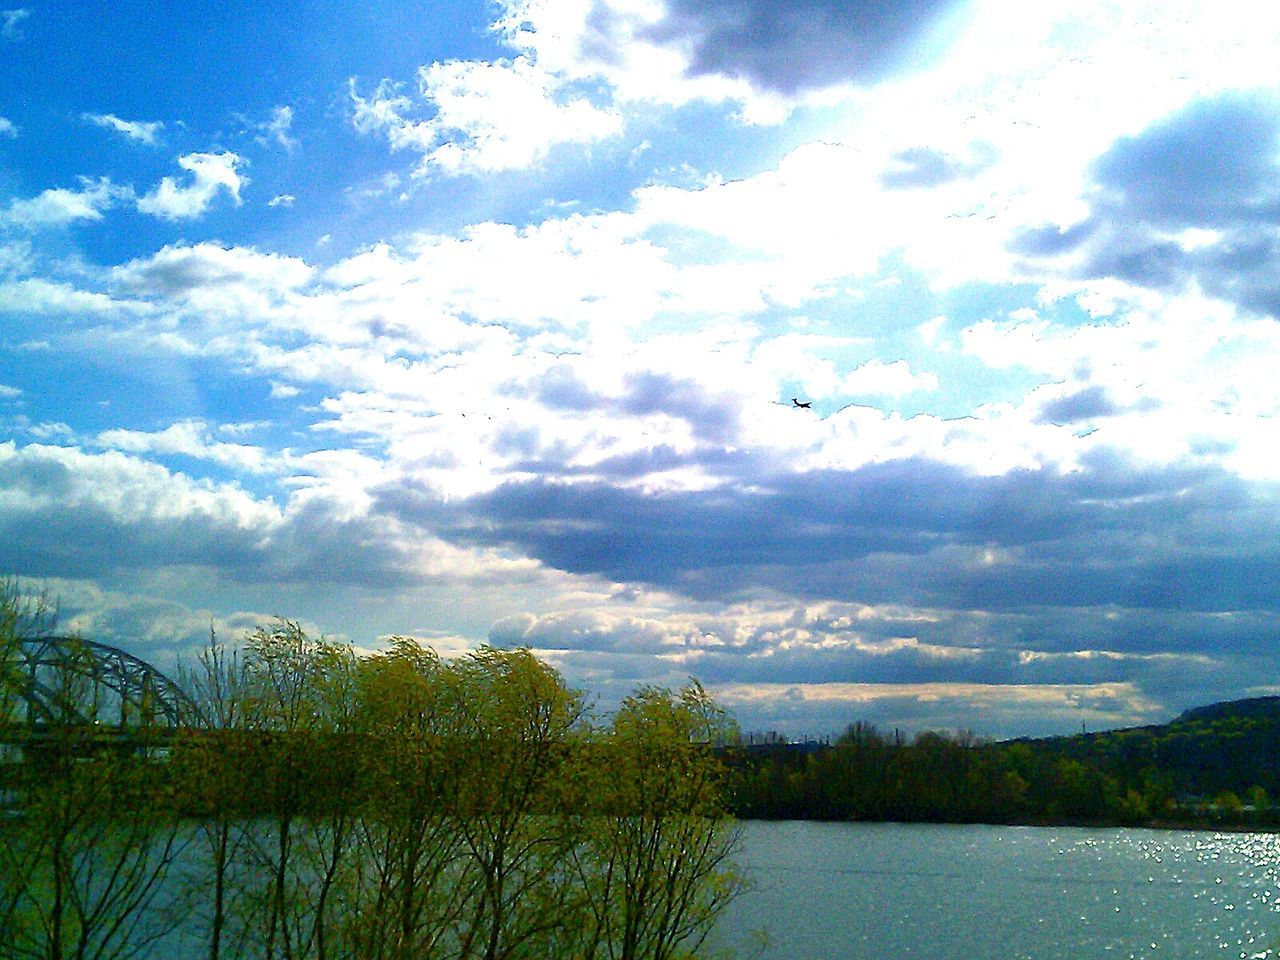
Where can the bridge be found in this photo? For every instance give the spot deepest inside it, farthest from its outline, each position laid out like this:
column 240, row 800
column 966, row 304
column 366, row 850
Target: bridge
column 73, row 686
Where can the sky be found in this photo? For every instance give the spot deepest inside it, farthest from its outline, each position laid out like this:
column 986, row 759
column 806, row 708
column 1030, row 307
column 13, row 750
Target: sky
column 490, row 322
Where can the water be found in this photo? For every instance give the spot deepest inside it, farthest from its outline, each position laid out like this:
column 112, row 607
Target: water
column 852, row 891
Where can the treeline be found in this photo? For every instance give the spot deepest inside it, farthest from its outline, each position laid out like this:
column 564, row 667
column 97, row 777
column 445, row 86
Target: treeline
column 1213, row 766
column 384, row 807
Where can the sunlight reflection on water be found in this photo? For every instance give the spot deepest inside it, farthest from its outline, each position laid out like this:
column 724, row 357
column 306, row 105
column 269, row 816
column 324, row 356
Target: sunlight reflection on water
column 852, row 891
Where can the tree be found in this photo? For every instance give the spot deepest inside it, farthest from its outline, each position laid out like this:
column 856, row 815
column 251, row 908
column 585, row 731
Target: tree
column 513, row 727
column 409, row 887
column 209, row 764
column 299, row 711
column 21, row 616
column 656, row 866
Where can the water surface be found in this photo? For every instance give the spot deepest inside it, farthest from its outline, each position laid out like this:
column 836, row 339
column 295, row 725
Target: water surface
column 828, row 891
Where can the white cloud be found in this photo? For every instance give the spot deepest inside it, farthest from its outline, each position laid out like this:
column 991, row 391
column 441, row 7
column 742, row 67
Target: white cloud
column 36, row 295
column 282, row 200
column 59, row 206
column 11, row 24
column 277, row 128
column 9, row 393
column 189, row 438
column 488, row 117
column 8, row 128
column 53, row 431
column 877, row 378
column 210, row 174
column 139, row 130
column 612, row 41
column 123, row 487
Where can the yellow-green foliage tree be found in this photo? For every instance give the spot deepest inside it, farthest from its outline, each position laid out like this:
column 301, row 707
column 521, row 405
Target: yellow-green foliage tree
column 657, row 864
column 514, row 730
column 407, row 888
column 208, row 771
column 387, row 807
column 299, row 711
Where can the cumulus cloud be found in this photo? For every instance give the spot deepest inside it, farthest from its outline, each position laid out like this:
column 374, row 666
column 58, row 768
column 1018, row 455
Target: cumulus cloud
column 191, row 438
column 486, row 116
column 211, row 174
column 141, row 131
column 58, row 207
column 801, row 44
column 1191, row 200
column 8, row 128
column 183, row 270
column 875, row 377
column 114, row 513
column 282, row 200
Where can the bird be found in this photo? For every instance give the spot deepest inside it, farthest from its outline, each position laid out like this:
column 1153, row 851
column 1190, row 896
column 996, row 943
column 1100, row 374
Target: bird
column 801, row 406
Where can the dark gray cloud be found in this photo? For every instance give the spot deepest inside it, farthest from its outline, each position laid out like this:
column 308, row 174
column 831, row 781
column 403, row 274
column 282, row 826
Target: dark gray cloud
column 1088, row 403
column 1212, row 163
column 913, row 532
column 794, row 45
column 1214, row 166
column 83, row 516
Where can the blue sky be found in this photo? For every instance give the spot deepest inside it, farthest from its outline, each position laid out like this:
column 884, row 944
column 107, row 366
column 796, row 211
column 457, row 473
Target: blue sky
column 481, row 322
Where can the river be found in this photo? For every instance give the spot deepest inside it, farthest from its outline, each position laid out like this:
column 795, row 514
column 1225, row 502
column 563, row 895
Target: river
column 826, row 891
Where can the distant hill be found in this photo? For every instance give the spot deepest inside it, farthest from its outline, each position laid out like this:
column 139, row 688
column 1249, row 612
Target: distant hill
column 1252, row 708
column 1233, row 745
column 1214, row 765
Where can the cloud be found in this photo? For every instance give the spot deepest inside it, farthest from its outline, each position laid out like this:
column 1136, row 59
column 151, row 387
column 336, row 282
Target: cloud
column 144, row 132
column 906, row 531
column 282, row 200
column 211, row 173
column 75, row 514
column 184, row 270
column 277, row 128
column 163, row 631
column 996, row 710
column 70, row 513
column 1088, row 403
column 1193, row 200
column 923, row 167
column 191, row 438
column 894, row 379
column 11, row 24
column 487, row 116
column 35, row 295
column 8, row 128
column 59, row 206
column 802, row 44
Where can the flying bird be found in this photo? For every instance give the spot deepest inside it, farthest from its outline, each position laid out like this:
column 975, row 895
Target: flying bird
column 801, row 406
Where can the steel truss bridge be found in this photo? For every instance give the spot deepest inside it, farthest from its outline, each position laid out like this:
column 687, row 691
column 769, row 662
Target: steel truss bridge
column 57, row 685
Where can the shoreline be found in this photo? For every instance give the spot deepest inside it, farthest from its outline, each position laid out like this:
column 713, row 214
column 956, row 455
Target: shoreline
column 1172, row 825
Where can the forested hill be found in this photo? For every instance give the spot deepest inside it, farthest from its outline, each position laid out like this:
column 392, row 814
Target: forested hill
column 1267, row 708
column 1230, row 746
column 1218, row 762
